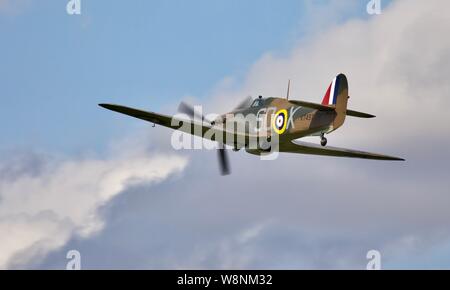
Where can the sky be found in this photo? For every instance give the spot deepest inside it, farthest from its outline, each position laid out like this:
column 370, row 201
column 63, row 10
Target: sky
column 74, row 176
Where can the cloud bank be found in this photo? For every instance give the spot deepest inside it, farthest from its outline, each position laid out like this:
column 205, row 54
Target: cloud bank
column 44, row 202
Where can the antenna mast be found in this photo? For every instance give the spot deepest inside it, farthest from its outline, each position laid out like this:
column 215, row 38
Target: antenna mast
column 288, row 89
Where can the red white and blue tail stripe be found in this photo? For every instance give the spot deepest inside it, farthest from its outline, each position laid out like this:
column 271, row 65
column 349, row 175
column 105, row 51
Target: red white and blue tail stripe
column 330, row 97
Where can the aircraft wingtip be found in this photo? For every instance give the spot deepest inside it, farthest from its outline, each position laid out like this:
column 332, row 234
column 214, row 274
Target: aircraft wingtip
column 106, row 106
column 398, row 159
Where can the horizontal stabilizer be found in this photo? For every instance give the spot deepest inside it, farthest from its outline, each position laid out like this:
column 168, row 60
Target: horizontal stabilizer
column 359, row 114
column 314, row 106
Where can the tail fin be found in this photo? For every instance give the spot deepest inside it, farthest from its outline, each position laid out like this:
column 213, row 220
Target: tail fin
column 337, row 96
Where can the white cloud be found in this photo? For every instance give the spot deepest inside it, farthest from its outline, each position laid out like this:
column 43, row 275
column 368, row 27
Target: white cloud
column 41, row 211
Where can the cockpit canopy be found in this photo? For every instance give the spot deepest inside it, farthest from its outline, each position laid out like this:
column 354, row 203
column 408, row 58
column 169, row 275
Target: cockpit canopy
column 257, row 103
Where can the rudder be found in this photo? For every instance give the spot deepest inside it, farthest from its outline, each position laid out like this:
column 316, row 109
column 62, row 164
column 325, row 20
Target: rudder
column 337, row 96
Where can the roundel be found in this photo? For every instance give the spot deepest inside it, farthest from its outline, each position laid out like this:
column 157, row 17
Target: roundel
column 280, row 121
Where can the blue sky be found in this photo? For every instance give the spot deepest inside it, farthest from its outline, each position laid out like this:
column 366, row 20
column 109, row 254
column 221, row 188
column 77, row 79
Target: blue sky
column 55, row 68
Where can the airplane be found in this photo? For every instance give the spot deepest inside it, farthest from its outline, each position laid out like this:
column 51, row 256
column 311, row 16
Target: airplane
column 290, row 121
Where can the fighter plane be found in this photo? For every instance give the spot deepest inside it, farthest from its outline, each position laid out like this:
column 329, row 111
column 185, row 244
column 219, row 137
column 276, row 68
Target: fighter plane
column 287, row 121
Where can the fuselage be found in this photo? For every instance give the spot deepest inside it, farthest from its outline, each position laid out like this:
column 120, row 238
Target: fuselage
column 278, row 117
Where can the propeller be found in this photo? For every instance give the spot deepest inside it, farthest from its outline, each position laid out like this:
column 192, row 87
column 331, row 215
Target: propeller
column 190, row 111
column 223, row 161
column 222, row 153
column 244, row 104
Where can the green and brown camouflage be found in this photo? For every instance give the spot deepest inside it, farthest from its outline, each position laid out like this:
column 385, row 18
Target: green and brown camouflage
column 280, row 121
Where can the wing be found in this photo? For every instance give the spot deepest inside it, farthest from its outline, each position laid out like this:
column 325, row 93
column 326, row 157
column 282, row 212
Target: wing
column 190, row 126
column 197, row 128
column 143, row 115
column 309, row 148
